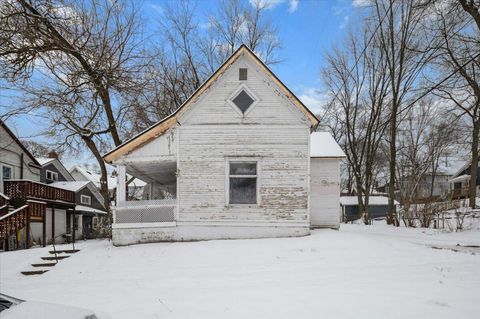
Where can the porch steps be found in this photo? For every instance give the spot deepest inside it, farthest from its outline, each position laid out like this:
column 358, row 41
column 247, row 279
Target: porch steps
column 67, row 251
column 34, row 272
column 55, row 257
column 49, row 262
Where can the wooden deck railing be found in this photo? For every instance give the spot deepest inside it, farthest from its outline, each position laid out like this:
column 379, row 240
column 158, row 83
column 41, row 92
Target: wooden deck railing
column 30, row 189
column 13, row 221
column 3, row 204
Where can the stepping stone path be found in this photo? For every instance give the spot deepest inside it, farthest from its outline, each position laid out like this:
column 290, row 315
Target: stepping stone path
column 50, row 261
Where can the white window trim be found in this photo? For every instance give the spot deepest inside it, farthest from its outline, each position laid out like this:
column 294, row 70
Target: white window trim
column 89, row 200
column 53, row 174
column 11, row 172
column 247, row 159
column 243, row 87
column 95, row 222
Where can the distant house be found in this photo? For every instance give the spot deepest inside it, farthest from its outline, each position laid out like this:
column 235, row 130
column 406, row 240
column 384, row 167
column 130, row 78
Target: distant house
column 89, row 208
column 237, row 160
column 28, row 206
column 377, row 207
column 460, row 181
column 135, row 186
column 16, row 162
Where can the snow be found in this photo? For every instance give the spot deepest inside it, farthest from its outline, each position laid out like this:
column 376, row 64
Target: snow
column 359, row 271
column 372, row 200
column 82, row 208
column 34, row 309
column 460, row 178
column 111, row 180
column 44, row 160
column 322, row 144
column 70, row 186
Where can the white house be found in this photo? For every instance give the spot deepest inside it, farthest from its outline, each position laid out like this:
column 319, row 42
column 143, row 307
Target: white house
column 232, row 162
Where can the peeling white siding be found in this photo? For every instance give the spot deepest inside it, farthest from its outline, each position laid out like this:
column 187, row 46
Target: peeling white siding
column 274, row 132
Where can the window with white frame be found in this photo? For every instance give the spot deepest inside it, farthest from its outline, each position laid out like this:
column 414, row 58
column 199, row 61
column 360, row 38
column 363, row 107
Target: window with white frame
column 96, row 222
column 85, row 199
column 52, row 176
column 242, row 180
column 7, row 172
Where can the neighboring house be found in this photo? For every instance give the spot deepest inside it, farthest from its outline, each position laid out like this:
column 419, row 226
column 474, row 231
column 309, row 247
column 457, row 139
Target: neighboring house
column 89, row 208
column 377, row 207
column 16, row 162
column 135, row 186
column 234, row 161
column 28, row 206
column 460, row 181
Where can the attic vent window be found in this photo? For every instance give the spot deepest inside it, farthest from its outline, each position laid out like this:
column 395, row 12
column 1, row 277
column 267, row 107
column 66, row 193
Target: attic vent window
column 243, row 101
column 242, row 76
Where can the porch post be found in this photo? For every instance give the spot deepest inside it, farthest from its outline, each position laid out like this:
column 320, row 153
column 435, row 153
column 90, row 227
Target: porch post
column 121, row 172
column 53, row 223
column 44, row 227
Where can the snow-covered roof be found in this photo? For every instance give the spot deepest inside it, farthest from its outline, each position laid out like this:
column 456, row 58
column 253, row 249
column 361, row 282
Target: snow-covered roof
column 70, row 186
column 460, row 178
column 111, row 180
column 372, row 201
column 322, row 144
column 44, row 160
column 89, row 209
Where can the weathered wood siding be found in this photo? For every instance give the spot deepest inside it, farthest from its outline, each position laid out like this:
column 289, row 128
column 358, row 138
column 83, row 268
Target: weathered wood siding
column 274, row 132
column 325, row 192
column 163, row 147
column 10, row 153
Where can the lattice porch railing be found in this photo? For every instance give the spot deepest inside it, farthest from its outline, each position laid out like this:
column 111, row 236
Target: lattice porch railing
column 146, row 211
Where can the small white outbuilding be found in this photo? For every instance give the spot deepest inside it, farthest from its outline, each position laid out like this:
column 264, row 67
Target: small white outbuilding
column 325, row 158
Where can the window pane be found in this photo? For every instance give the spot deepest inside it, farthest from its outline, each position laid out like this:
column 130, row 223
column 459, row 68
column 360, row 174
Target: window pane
column 243, row 190
column 243, row 101
column 243, row 74
column 7, row 172
column 243, row 168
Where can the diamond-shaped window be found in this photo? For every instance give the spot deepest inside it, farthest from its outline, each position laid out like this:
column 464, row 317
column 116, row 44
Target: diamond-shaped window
column 243, row 101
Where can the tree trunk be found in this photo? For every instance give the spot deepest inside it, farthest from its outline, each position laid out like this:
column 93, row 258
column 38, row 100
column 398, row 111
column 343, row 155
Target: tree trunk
column 391, row 218
column 103, row 178
column 472, row 188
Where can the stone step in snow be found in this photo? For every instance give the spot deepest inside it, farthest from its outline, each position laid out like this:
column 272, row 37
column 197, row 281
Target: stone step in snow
column 34, row 272
column 44, row 265
column 55, row 258
column 65, row 251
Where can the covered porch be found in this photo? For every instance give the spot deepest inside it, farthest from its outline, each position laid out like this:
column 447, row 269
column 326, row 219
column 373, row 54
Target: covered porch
column 158, row 204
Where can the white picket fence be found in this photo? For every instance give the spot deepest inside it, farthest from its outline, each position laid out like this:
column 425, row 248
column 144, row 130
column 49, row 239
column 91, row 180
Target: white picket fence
column 146, row 211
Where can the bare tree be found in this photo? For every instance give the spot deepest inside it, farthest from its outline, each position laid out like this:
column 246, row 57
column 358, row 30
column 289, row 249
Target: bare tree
column 74, row 60
column 426, row 133
column 191, row 51
column 456, row 24
column 357, row 81
column 406, row 54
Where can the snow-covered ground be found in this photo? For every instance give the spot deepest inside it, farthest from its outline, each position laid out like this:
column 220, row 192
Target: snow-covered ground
column 358, row 272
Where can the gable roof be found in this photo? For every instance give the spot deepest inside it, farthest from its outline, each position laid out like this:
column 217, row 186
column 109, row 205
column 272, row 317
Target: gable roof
column 58, row 164
column 9, row 132
column 168, row 122
column 323, row 145
column 77, row 186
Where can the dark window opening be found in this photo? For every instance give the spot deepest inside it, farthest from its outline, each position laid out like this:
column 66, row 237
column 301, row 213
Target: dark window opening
column 243, row 183
column 243, row 101
column 242, row 74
